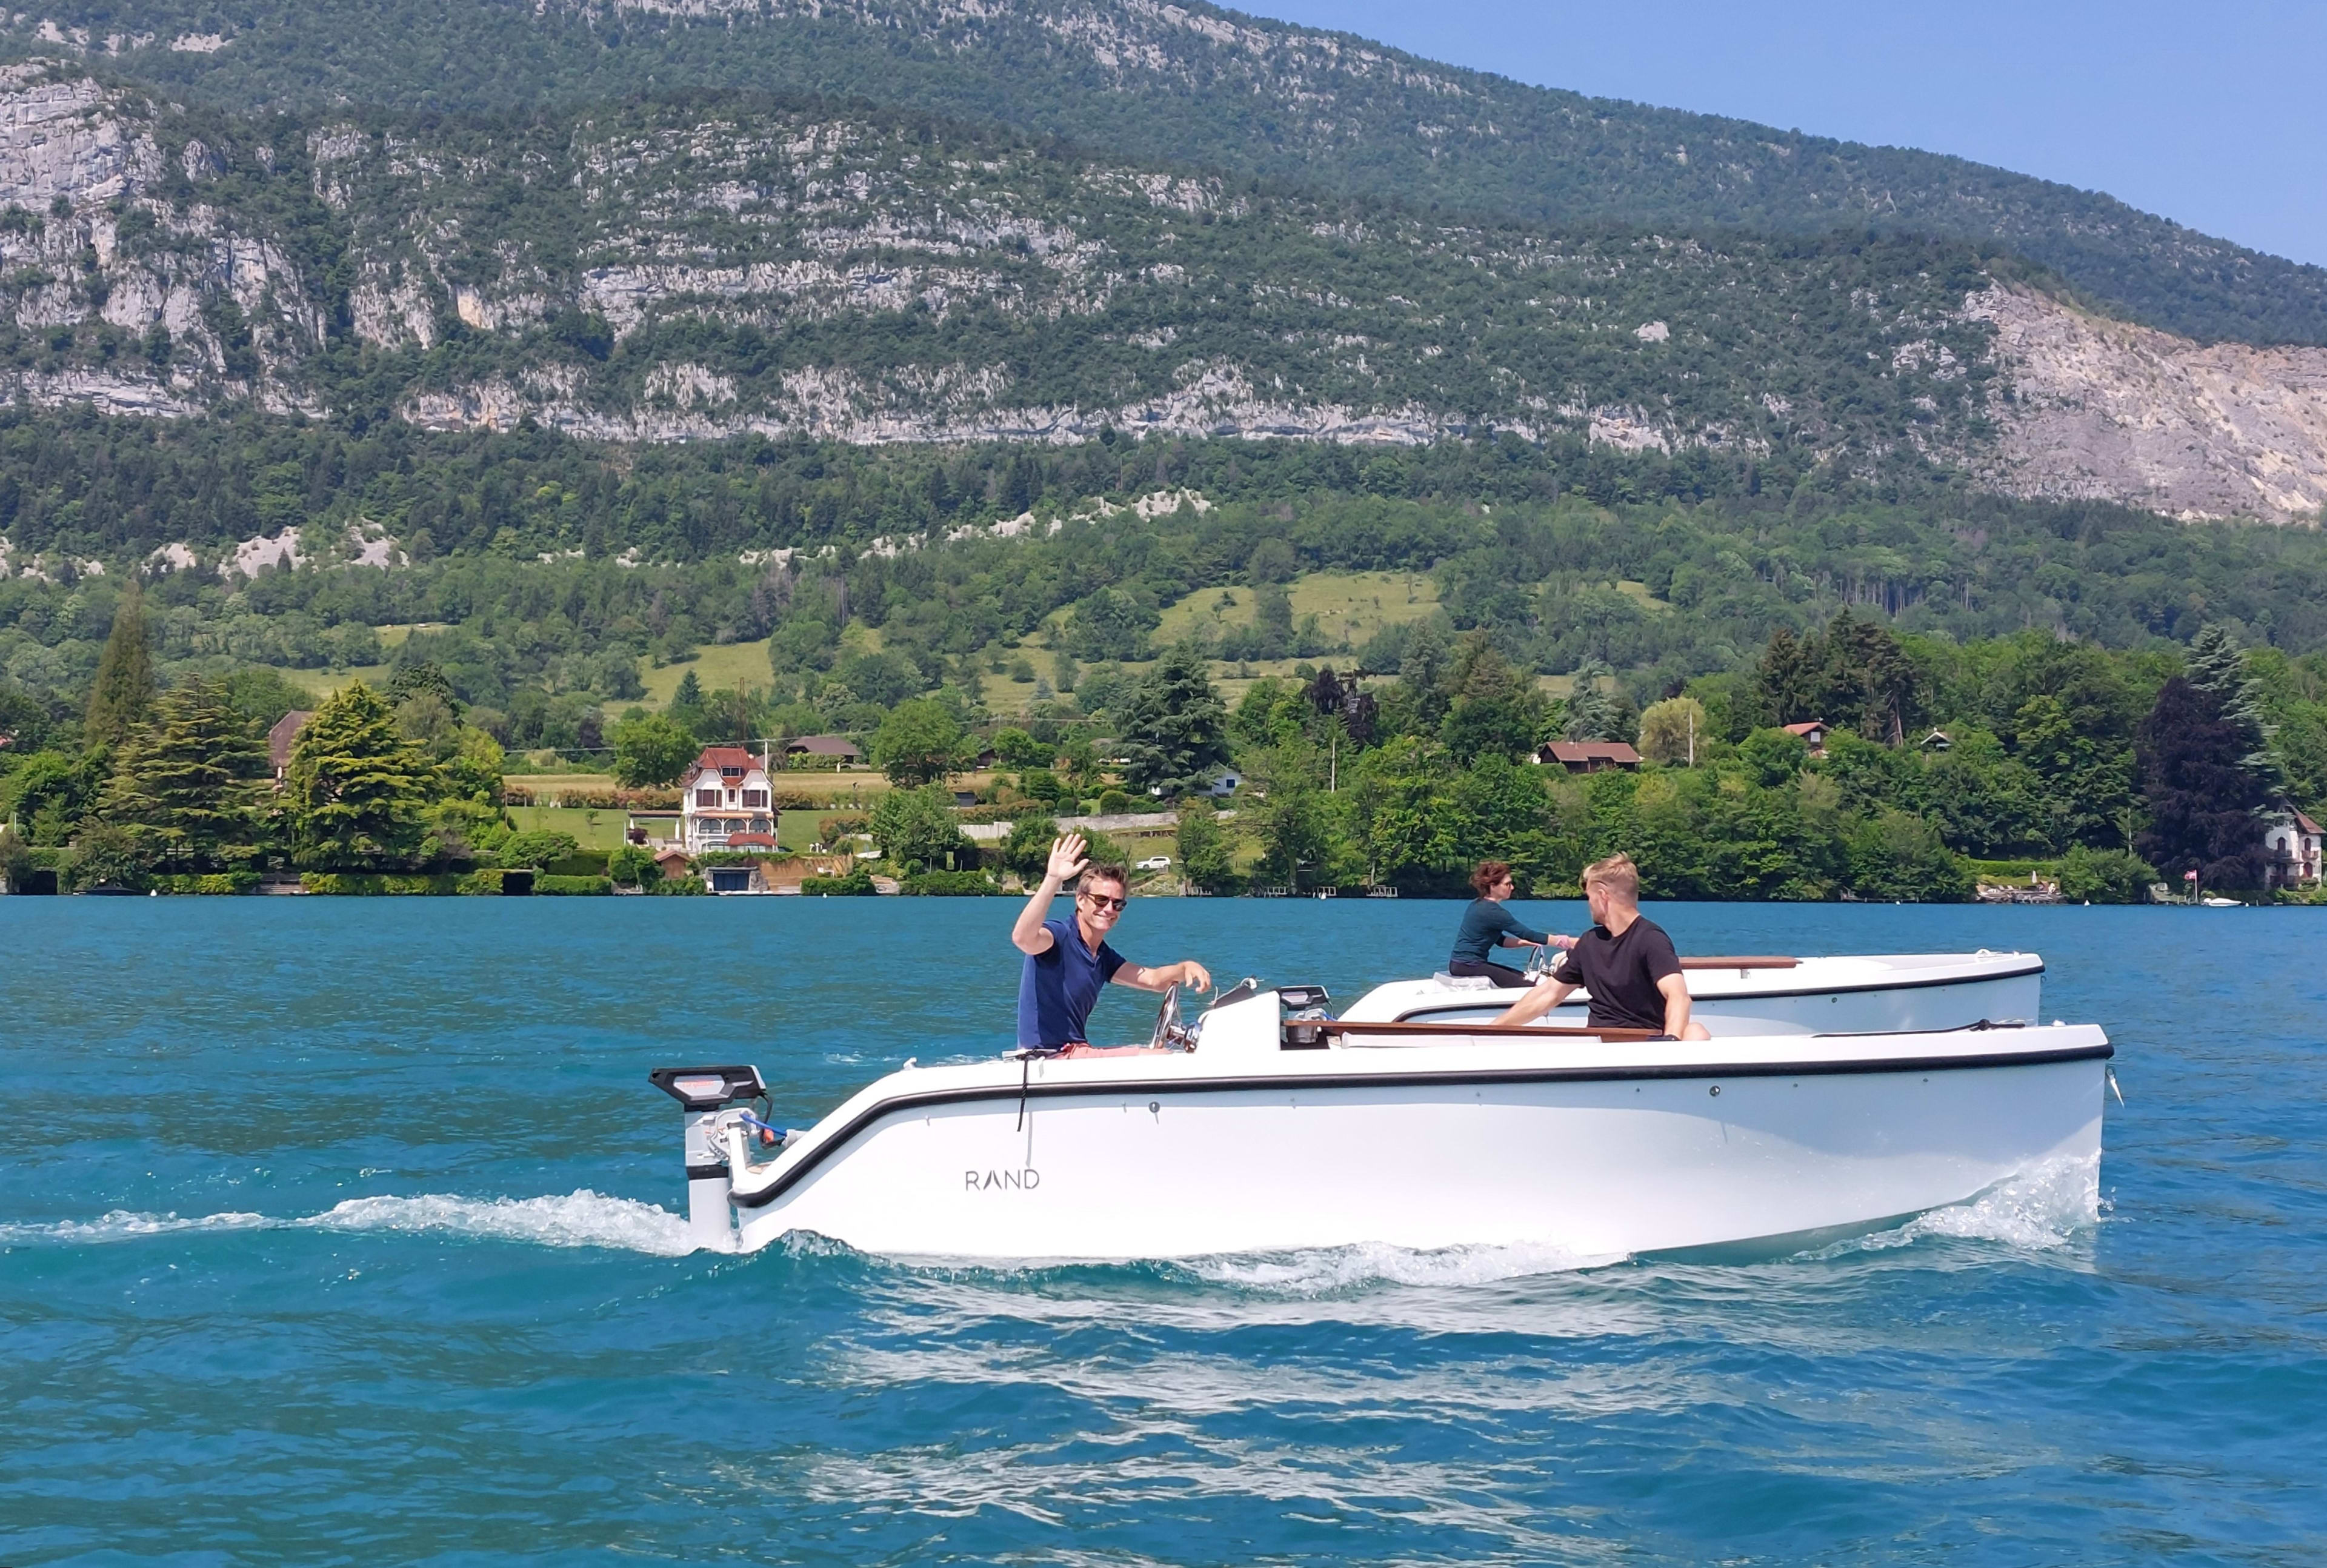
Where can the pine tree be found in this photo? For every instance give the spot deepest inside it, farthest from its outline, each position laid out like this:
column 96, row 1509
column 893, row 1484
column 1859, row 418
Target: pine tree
column 2204, row 804
column 2217, row 667
column 1589, row 714
column 124, row 676
column 358, row 789
column 1175, row 728
column 186, row 784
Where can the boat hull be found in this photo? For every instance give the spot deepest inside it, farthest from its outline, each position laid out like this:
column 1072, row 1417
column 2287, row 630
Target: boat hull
column 1428, row 1147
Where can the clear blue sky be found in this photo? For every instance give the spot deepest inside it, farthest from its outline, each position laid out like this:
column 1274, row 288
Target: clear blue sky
column 2210, row 112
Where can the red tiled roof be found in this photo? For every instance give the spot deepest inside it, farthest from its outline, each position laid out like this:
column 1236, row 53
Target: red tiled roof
column 1805, row 729
column 751, row 841
column 2306, row 824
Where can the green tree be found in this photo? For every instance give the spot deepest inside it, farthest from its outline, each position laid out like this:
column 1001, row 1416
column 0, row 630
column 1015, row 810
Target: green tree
column 124, row 676
column 652, row 749
column 1402, row 808
column 2204, row 802
column 1591, row 714
column 105, row 854
column 916, row 829
column 2104, row 876
column 358, row 791
column 1174, row 729
column 633, row 866
column 1028, row 848
column 1013, row 748
column 476, row 770
column 186, row 782
column 917, row 742
column 1206, row 861
column 1674, row 732
column 537, row 847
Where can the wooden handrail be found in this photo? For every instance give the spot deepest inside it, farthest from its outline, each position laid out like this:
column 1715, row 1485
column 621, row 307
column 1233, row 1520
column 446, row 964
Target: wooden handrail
column 1766, row 961
column 1514, row 1031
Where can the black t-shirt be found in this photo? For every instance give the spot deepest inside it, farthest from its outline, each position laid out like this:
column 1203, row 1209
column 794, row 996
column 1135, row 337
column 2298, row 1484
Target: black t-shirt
column 1622, row 973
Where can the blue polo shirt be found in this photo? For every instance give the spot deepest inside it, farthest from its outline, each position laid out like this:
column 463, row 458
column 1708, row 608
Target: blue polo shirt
column 1058, row 989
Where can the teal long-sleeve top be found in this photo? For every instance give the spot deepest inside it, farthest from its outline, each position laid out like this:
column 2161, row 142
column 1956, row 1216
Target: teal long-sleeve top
column 1484, row 925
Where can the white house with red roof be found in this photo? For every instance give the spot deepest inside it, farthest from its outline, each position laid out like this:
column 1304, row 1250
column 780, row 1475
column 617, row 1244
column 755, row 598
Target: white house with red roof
column 2294, row 845
column 726, row 801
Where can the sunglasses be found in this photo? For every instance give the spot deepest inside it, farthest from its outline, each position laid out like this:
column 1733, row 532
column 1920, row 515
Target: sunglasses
column 1102, row 901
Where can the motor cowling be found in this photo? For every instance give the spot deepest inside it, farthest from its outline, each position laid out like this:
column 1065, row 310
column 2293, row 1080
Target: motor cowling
column 703, row 1094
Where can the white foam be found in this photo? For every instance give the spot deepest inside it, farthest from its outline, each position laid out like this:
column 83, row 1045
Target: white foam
column 121, row 1225
column 579, row 1219
column 2041, row 1209
column 1330, row 1269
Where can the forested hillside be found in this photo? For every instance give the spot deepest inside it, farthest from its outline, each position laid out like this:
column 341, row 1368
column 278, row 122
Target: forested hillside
column 697, row 267
column 1197, row 86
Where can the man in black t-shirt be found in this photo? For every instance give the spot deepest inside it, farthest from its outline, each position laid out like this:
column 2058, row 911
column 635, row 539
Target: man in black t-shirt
column 1626, row 961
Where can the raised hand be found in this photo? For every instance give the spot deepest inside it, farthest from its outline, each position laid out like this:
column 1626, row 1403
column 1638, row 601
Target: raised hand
column 1067, row 858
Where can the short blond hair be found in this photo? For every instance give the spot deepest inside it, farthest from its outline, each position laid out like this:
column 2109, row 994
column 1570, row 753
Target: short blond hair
column 1617, row 874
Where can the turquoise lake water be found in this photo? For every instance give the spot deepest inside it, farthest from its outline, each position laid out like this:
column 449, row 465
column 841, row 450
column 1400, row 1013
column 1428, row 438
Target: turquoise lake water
column 344, row 1231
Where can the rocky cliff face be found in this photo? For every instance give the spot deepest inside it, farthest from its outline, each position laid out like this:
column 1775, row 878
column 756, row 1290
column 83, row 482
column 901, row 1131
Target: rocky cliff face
column 680, row 272
column 2094, row 408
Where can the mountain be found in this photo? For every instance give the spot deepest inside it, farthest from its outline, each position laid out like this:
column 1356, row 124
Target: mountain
column 703, row 267
column 1191, row 84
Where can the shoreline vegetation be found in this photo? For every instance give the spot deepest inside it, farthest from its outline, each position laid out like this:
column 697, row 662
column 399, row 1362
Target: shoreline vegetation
column 1850, row 762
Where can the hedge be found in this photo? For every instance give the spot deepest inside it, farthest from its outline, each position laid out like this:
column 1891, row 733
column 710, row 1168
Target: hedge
column 572, row 885
column 857, row 883
column 948, row 884
column 223, row 882
column 377, row 883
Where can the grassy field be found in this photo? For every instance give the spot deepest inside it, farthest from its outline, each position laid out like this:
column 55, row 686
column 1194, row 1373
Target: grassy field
column 1351, row 605
column 592, row 829
column 715, row 665
column 322, row 683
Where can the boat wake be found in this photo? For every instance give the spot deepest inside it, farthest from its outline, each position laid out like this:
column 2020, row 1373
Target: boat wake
column 2041, row 1209
column 1328, row 1271
column 581, row 1218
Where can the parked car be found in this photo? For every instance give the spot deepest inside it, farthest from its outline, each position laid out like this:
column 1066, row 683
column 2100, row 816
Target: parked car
column 1157, row 863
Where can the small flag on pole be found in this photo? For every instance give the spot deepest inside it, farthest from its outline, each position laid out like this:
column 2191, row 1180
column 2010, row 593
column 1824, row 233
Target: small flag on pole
column 2189, row 876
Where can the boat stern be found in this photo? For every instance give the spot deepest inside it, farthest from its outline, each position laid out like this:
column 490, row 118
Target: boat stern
column 710, row 1095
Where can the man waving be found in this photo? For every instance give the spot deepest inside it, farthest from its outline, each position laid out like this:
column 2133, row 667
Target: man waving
column 1067, row 961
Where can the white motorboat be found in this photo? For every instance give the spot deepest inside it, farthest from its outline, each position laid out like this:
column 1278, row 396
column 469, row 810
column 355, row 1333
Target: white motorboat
column 1268, row 1131
column 1856, row 993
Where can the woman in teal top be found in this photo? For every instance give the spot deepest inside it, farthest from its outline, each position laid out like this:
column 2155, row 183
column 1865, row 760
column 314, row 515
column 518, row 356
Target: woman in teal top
column 1487, row 925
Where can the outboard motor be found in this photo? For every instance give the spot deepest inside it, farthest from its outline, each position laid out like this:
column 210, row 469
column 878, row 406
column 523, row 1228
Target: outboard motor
column 704, row 1092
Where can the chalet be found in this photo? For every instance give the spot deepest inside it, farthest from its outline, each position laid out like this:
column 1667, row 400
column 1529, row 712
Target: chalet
column 822, row 749
column 1587, row 756
column 1813, row 734
column 1937, row 741
column 726, row 794
column 282, row 738
column 2292, row 843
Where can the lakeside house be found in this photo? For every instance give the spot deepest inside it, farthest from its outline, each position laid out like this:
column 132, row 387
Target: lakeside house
column 726, row 800
column 1587, row 756
column 815, row 750
column 2291, row 842
column 281, row 737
